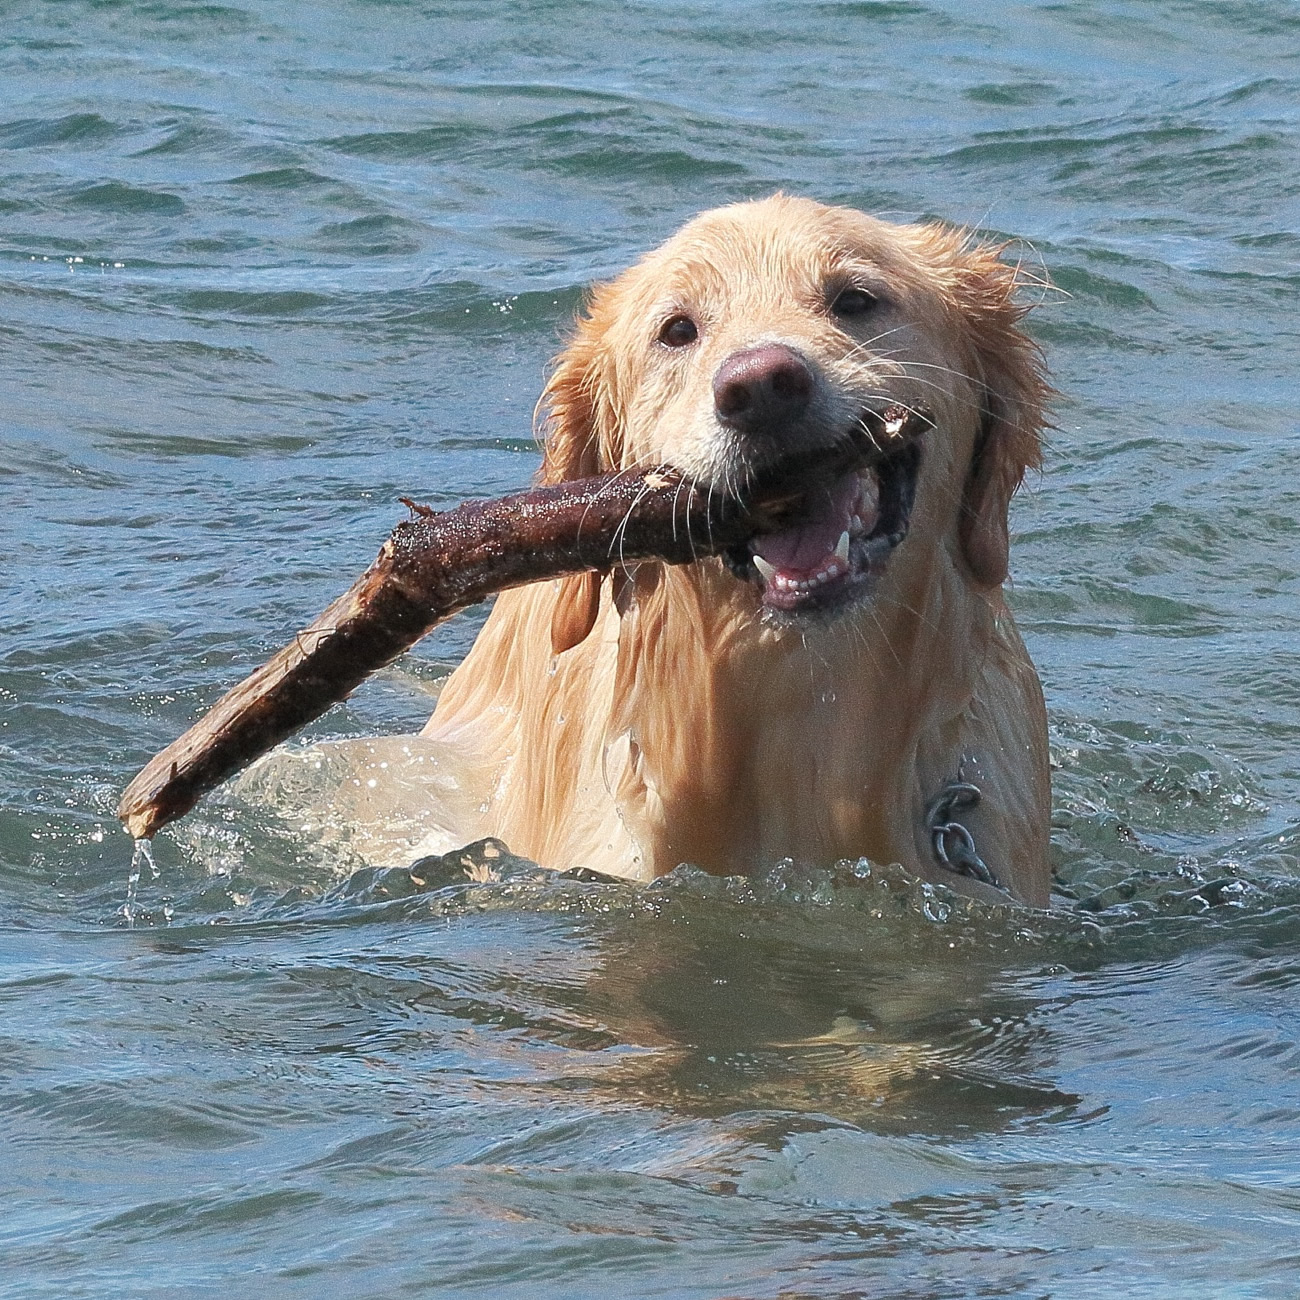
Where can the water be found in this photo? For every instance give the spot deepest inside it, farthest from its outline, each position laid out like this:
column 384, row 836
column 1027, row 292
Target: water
column 325, row 253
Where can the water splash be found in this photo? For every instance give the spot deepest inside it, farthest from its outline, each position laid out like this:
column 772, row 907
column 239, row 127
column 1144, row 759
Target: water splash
column 141, row 857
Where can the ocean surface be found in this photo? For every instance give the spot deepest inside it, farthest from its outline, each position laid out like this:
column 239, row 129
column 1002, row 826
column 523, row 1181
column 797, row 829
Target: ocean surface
column 265, row 267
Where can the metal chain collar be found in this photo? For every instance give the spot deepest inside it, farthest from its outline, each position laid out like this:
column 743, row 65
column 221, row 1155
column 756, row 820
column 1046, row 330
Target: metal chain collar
column 953, row 844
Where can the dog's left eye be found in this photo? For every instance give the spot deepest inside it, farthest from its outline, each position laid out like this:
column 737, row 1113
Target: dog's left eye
column 854, row 302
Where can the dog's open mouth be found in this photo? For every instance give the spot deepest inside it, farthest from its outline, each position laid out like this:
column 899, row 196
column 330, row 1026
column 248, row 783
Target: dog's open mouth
column 842, row 540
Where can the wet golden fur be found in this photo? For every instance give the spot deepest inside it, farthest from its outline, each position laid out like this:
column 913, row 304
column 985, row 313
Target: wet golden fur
column 680, row 724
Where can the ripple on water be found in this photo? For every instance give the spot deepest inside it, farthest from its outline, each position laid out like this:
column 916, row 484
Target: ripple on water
column 72, row 128
column 117, row 197
column 283, row 178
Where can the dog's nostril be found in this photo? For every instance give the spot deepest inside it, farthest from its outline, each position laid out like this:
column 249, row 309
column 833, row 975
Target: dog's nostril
column 792, row 381
column 761, row 385
column 731, row 398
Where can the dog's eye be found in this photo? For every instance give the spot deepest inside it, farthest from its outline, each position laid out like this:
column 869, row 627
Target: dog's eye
column 678, row 331
column 854, row 302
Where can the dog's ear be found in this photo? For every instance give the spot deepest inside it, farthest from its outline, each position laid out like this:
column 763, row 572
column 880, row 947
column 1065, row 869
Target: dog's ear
column 571, row 411
column 1014, row 391
column 577, row 606
column 996, row 470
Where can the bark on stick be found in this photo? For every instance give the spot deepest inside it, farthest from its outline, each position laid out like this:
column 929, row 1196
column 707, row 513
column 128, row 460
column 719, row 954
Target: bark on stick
column 438, row 563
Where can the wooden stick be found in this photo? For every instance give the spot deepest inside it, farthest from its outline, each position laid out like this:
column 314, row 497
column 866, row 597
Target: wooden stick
column 438, row 563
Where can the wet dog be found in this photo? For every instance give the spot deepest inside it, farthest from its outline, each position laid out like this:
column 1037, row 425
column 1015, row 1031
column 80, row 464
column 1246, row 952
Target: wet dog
column 852, row 685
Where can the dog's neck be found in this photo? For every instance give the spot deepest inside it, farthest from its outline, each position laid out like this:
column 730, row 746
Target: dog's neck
column 748, row 741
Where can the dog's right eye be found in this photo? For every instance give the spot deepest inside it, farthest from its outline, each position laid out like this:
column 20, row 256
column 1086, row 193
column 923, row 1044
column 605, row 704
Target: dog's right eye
column 678, row 331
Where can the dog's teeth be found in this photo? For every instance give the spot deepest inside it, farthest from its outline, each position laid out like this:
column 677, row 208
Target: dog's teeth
column 766, row 570
column 842, row 547
column 856, row 526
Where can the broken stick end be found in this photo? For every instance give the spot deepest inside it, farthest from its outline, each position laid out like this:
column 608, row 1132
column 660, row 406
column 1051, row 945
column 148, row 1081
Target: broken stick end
column 140, row 818
column 145, row 809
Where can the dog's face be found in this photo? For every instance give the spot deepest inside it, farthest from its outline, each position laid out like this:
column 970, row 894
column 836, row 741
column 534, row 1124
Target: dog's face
column 772, row 328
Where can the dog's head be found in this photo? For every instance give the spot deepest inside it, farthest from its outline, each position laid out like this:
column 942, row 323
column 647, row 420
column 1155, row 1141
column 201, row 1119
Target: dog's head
column 773, row 327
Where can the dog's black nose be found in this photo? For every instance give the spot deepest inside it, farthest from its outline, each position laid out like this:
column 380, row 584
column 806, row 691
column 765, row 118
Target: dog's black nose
column 761, row 388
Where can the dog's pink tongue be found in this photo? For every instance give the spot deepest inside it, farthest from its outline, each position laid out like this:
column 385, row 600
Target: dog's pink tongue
column 804, row 548
column 799, row 549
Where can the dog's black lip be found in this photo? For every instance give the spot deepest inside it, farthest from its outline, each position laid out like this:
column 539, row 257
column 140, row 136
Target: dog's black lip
column 897, row 476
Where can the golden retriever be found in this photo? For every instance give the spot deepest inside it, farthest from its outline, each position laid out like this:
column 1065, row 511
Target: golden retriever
column 815, row 694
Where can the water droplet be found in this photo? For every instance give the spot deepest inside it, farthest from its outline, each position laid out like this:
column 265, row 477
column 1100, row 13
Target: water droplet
column 935, row 909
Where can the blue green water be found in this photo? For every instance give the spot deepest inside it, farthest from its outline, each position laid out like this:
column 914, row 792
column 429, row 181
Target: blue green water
column 266, row 267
